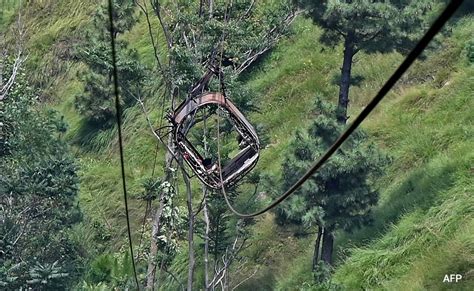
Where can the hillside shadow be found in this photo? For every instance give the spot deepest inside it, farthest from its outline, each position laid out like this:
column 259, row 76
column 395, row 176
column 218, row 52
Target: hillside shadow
column 91, row 137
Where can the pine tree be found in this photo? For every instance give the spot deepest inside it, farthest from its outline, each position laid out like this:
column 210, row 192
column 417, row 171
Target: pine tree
column 96, row 103
column 340, row 195
column 220, row 234
column 365, row 25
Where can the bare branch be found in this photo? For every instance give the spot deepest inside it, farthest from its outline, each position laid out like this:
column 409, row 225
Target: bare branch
column 272, row 36
column 19, row 60
column 175, row 278
column 157, row 9
column 188, row 45
column 249, row 9
column 191, row 263
column 227, row 258
column 246, row 279
column 19, row 235
column 206, row 241
column 144, row 9
column 4, row 91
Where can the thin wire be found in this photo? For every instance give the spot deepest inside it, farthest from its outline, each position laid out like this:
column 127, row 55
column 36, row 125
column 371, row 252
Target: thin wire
column 412, row 56
column 119, row 127
column 218, row 71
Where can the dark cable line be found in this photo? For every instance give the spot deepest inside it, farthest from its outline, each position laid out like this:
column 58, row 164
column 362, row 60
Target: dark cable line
column 119, row 127
column 412, row 56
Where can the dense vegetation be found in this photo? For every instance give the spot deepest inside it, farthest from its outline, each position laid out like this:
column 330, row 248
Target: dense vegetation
column 39, row 185
column 420, row 227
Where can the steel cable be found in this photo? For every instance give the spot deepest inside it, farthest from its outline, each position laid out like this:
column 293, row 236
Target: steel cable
column 119, row 127
column 412, row 56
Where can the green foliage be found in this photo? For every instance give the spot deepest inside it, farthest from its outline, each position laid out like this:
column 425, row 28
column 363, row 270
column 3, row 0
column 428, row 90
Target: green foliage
column 50, row 276
column 325, row 283
column 96, row 103
column 467, row 8
column 172, row 225
column 194, row 34
column 426, row 129
column 369, row 25
column 110, row 271
column 7, row 12
column 340, row 195
column 430, row 136
column 419, row 242
column 220, row 232
column 100, row 269
column 38, row 187
column 284, row 85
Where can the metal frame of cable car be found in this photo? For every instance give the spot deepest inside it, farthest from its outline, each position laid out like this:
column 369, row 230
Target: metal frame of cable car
column 238, row 166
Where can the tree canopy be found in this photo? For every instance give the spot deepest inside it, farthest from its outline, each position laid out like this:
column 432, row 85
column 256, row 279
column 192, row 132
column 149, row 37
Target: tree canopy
column 38, row 188
column 369, row 25
column 340, row 195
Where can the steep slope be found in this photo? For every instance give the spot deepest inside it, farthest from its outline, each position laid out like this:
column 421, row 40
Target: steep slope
column 424, row 223
column 430, row 131
column 422, row 226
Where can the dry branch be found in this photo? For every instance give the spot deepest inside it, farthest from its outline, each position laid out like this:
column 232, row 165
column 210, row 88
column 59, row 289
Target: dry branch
column 273, row 36
column 19, row 60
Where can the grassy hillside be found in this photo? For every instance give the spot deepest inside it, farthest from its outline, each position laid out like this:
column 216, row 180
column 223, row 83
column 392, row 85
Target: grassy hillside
column 427, row 207
column 423, row 226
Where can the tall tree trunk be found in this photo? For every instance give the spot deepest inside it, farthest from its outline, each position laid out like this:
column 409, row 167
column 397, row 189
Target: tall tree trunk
column 3, row 54
column 317, row 246
column 211, row 8
column 201, row 4
column 344, row 85
column 151, row 271
column 206, row 215
column 226, row 279
column 206, row 241
column 216, row 240
column 191, row 263
column 156, row 226
column 327, row 248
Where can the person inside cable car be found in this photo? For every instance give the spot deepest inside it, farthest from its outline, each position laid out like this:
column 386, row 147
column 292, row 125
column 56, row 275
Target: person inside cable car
column 242, row 142
column 209, row 165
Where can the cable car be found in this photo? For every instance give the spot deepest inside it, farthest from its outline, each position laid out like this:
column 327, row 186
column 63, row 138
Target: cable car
column 206, row 170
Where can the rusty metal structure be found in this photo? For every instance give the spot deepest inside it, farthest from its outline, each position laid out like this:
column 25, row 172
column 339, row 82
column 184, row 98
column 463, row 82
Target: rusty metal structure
column 182, row 120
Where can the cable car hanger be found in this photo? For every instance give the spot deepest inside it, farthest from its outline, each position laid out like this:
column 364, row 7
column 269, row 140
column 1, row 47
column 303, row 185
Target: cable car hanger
column 422, row 44
column 402, row 68
column 183, row 119
column 388, row 85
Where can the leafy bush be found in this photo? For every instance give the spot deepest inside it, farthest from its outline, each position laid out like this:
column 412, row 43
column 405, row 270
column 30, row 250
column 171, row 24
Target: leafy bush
column 38, row 187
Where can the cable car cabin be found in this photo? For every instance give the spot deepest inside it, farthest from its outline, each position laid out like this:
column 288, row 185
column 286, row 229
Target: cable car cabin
column 206, row 170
